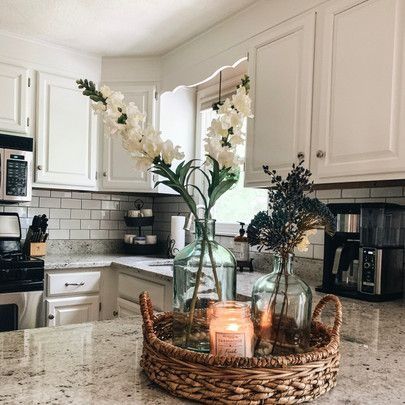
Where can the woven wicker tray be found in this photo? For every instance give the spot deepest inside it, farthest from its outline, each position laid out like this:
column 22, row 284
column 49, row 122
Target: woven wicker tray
column 208, row 379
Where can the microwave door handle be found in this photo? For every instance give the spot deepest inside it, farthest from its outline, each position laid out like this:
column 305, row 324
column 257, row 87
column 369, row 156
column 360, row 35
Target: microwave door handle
column 2, row 174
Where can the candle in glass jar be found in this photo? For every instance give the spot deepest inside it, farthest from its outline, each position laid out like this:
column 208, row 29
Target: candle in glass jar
column 231, row 329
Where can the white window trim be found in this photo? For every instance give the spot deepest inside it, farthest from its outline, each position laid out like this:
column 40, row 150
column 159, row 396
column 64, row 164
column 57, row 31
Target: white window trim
column 210, row 94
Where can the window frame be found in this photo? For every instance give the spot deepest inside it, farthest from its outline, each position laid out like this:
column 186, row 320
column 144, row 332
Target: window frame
column 210, row 94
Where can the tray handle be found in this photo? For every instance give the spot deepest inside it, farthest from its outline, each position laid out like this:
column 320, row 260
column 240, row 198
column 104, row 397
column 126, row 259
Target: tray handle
column 338, row 312
column 147, row 313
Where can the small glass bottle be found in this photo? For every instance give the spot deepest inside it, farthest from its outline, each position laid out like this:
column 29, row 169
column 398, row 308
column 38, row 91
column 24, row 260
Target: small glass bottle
column 241, row 245
column 231, row 329
column 281, row 311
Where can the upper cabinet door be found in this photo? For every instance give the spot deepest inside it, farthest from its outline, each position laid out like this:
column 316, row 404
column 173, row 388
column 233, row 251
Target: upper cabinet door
column 281, row 71
column 14, row 99
column 359, row 120
column 66, row 134
column 119, row 173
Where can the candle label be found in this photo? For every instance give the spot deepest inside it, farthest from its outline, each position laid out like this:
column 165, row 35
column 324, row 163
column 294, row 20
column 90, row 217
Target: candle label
column 230, row 344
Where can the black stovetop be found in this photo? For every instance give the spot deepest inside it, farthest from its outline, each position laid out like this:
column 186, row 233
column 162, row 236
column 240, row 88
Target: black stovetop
column 19, row 273
column 19, row 261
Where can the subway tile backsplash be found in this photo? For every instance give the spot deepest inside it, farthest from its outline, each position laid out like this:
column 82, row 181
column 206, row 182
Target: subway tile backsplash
column 78, row 215
column 87, row 217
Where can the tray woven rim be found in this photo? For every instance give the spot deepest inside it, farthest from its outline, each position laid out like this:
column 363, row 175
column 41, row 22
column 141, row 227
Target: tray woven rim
column 318, row 354
column 209, row 379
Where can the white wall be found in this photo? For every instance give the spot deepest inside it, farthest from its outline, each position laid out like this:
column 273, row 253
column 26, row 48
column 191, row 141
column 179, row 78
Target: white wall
column 47, row 57
column 127, row 69
column 226, row 42
column 177, row 118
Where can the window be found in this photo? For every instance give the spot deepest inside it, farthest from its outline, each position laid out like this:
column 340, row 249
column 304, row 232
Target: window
column 239, row 203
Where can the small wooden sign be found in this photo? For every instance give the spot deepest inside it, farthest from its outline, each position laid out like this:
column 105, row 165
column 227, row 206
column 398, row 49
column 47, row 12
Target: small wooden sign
column 38, row 249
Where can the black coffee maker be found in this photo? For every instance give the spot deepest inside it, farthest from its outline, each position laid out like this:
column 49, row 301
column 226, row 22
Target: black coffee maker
column 365, row 258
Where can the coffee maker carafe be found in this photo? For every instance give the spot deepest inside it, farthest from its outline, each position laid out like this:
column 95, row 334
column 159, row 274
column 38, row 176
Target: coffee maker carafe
column 341, row 253
column 365, row 258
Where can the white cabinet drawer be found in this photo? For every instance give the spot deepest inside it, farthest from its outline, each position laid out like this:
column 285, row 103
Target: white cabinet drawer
column 127, row 308
column 130, row 288
column 73, row 283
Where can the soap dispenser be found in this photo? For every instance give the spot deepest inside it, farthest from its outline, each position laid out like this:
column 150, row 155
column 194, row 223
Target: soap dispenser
column 241, row 245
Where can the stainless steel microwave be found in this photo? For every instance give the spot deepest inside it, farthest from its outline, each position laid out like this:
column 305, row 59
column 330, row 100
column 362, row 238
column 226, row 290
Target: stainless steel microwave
column 16, row 154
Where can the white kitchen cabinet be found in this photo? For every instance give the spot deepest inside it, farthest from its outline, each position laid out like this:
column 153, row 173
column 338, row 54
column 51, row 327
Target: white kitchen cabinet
column 66, row 149
column 73, row 283
column 359, row 99
column 75, row 296
column 131, row 285
column 281, row 71
column 70, row 310
column 118, row 169
column 15, row 85
column 127, row 308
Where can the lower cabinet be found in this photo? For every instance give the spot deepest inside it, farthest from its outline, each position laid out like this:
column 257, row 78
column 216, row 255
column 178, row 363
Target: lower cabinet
column 72, row 296
column 131, row 285
column 127, row 308
column 70, row 310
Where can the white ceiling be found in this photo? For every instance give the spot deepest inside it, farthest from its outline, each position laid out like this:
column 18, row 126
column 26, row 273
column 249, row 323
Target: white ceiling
column 115, row 27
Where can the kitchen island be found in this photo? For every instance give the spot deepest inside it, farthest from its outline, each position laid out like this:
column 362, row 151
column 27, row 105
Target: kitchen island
column 98, row 363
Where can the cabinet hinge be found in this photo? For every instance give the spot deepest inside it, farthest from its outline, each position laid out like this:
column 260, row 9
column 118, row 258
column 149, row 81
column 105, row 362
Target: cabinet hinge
column 28, row 121
column 29, row 82
column 96, row 176
column 247, row 56
column 156, row 95
column 99, row 306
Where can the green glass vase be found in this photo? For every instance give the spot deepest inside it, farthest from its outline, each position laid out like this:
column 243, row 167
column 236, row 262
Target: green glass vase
column 281, row 311
column 204, row 272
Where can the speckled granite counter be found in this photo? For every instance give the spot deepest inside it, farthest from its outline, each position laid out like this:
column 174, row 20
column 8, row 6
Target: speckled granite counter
column 98, row 363
column 58, row 262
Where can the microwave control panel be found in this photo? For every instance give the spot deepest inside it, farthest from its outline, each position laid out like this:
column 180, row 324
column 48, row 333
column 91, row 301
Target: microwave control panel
column 17, row 176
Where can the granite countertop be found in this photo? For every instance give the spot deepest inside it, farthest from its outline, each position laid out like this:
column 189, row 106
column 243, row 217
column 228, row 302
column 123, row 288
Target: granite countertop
column 75, row 261
column 98, row 363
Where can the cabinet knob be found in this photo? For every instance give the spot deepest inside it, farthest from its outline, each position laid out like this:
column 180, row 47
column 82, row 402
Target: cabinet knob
column 115, row 313
column 104, row 174
column 39, row 167
column 50, row 316
column 320, row 154
column 300, row 155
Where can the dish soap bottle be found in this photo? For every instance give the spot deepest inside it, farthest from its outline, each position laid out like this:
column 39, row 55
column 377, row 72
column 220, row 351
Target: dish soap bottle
column 241, row 245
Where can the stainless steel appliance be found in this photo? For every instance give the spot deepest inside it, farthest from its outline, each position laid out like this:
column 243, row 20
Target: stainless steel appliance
column 365, row 258
column 21, row 280
column 16, row 154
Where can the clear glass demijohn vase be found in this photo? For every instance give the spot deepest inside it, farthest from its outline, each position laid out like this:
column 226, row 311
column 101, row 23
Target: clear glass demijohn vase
column 281, row 311
column 204, row 272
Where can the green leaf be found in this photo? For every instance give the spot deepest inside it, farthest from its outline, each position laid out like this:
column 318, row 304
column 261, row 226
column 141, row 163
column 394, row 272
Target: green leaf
column 223, row 187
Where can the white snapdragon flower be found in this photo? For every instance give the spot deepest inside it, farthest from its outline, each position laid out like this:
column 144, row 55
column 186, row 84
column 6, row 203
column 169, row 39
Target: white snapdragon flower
column 213, row 147
column 237, row 139
column 115, row 101
column 133, row 113
column 304, row 242
column 131, row 140
column 227, row 158
column 170, row 152
column 217, row 128
column 142, row 163
column 98, row 107
column 242, row 102
column 105, row 91
column 226, row 107
column 152, row 143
